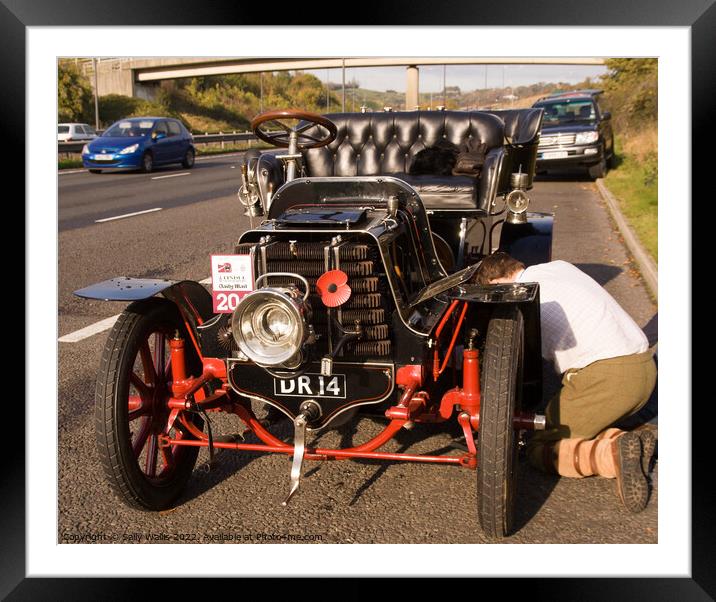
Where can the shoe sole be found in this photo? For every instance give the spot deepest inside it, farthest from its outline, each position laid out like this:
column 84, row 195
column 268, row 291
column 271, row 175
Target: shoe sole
column 648, row 446
column 632, row 486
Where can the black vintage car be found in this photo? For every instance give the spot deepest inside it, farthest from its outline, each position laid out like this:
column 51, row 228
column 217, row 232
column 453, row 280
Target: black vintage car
column 351, row 291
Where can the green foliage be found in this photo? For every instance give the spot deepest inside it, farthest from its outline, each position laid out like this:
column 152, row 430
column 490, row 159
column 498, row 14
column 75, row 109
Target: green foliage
column 69, row 163
column 235, row 99
column 651, row 168
column 74, row 94
column 635, row 185
column 113, row 107
column 631, row 91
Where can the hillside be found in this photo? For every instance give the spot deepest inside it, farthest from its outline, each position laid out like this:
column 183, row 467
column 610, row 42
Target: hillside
column 226, row 103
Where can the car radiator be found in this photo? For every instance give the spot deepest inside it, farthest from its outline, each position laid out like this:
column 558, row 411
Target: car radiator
column 370, row 302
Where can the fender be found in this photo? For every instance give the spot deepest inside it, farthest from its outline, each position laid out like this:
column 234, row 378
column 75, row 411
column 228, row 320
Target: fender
column 191, row 298
column 530, row 243
column 526, row 296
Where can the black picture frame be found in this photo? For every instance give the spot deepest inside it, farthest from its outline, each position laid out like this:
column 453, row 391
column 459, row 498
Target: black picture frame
column 699, row 15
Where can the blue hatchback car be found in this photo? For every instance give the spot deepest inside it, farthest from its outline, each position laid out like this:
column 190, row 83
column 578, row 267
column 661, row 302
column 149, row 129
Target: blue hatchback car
column 140, row 143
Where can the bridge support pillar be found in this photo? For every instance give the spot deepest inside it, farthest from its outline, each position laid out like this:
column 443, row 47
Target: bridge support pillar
column 412, row 88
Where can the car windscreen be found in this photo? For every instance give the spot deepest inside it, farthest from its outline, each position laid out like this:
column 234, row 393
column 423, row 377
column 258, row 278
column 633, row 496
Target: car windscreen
column 63, row 129
column 568, row 111
column 130, row 129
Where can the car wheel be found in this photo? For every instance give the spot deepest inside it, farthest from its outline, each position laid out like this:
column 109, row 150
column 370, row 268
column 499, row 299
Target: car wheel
column 95, row 171
column 188, row 161
column 131, row 412
column 612, row 160
column 599, row 170
column 444, row 253
column 147, row 162
column 501, row 376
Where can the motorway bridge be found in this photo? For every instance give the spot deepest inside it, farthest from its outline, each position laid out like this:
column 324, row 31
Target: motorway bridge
column 141, row 76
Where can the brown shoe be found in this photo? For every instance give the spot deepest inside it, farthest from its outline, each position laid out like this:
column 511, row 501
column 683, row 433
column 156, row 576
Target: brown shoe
column 632, row 486
column 648, row 436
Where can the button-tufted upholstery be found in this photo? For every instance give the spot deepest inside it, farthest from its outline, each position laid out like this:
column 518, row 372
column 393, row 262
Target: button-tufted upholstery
column 385, row 143
column 370, row 144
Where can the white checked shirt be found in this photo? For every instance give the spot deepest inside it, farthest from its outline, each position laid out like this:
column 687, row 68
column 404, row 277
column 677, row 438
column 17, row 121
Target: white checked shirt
column 581, row 322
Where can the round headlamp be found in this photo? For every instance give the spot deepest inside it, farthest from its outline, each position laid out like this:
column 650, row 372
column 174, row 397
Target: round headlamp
column 269, row 326
column 517, row 201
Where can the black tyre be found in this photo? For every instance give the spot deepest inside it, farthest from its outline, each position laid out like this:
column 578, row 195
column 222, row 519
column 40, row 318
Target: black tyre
column 95, row 171
column 147, row 162
column 188, row 161
column 444, row 253
column 599, row 170
column 133, row 386
column 612, row 160
column 497, row 442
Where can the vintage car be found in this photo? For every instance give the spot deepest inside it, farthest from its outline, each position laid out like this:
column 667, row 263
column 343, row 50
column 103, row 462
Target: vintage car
column 353, row 291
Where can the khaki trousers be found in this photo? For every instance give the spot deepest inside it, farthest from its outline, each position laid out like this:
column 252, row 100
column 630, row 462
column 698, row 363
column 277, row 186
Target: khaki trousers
column 593, row 398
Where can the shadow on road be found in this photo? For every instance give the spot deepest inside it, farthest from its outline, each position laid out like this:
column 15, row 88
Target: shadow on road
column 563, row 176
column 404, row 438
column 533, row 490
column 601, row 272
column 228, row 463
column 651, row 330
column 534, row 487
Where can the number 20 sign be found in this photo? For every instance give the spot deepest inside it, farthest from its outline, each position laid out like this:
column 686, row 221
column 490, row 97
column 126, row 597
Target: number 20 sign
column 232, row 277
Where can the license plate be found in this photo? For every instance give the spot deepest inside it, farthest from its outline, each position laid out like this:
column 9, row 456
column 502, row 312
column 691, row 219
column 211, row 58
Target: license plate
column 103, row 157
column 311, row 385
column 555, row 155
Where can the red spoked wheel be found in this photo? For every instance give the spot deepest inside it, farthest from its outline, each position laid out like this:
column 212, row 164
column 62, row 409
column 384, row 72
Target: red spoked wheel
column 131, row 410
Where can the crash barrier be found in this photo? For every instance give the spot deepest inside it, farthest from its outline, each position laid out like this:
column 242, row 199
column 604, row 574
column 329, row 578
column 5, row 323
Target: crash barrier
column 221, row 137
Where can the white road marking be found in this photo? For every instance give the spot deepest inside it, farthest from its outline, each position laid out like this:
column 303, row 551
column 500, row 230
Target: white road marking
column 90, row 330
column 174, row 175
column 109, row 219
column 100, row 326
column 199, row 158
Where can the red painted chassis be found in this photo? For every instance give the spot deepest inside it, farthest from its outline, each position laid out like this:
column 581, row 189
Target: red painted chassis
column 414, row 405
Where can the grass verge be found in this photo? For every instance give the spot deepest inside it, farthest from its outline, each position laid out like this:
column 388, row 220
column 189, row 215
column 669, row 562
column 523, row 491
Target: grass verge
column 211, row 149
column 634, row 182
column 69, row 163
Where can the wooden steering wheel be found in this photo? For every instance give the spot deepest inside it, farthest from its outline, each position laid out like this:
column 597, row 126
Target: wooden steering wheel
column 283, row 136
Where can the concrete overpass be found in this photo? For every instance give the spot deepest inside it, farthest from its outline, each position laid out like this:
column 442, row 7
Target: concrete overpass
column 140, row 76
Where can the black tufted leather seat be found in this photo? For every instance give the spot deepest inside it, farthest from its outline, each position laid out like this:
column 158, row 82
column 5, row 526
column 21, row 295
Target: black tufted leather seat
column 370, row 144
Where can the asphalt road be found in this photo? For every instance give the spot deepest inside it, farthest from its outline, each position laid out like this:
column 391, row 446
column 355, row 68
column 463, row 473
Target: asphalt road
column 355, row 501
column 85, row 197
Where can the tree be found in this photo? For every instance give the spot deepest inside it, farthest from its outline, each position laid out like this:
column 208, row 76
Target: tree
column 74, row 94
column 631, row 91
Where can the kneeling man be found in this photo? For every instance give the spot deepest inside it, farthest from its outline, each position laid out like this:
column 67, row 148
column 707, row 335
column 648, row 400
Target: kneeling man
column 608, row 374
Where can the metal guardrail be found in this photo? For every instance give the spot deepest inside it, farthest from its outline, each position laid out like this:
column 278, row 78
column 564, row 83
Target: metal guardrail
column 76, row 147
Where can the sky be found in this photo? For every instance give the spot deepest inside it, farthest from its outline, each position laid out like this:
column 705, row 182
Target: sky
column 467, row 77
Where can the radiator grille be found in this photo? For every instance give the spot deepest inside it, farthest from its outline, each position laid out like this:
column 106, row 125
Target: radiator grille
column 556, row 140
column 370, row 301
